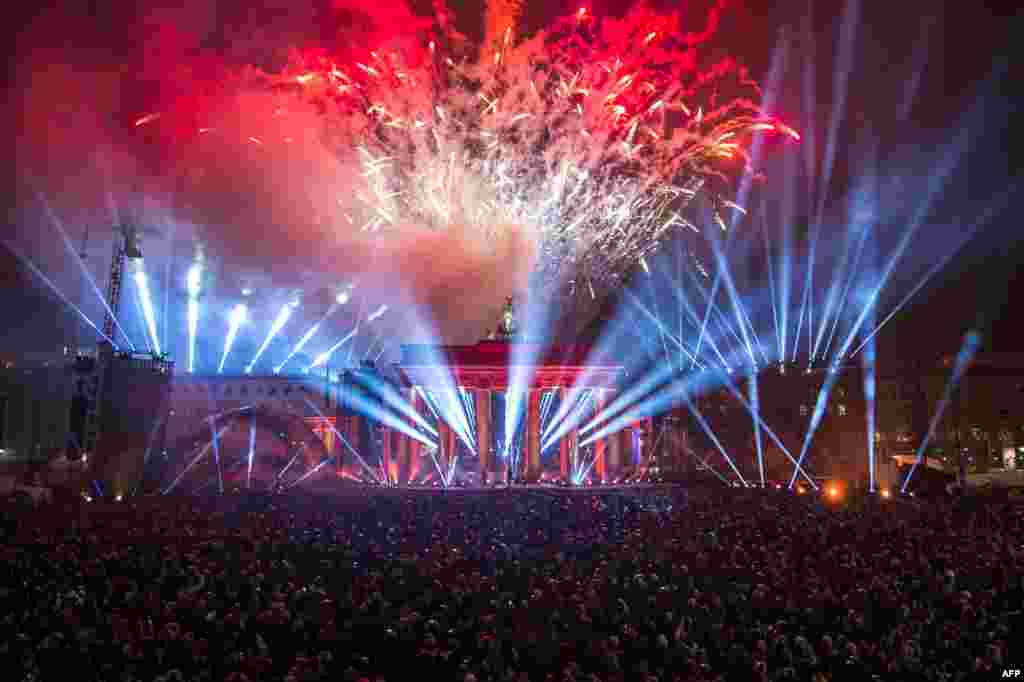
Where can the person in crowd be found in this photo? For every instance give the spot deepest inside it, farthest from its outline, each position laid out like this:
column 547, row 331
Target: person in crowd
column 590, row 587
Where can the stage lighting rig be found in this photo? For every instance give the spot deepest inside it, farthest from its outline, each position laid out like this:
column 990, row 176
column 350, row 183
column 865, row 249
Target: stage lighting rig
column 132, row 251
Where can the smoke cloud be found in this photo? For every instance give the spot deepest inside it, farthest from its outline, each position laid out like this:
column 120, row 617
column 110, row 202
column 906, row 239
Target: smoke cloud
column 108, row 101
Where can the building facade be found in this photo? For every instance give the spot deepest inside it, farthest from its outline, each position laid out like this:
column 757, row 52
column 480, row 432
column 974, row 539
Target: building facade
column 717, row 430
column 34, row 415
column 982, row 417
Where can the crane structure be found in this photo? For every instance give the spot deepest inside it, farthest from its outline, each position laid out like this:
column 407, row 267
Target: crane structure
column 125, row 247
column 94, row 375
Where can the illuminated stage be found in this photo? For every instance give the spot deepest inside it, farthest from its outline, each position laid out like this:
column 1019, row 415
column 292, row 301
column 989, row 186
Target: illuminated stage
column 483, row 373
column 343, row 430
column 324, row 432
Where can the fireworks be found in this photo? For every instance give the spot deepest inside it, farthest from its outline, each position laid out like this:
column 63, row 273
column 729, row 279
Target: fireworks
column 593, row 137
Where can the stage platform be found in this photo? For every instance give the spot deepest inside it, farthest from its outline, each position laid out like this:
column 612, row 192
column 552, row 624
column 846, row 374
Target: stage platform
column 491, row 490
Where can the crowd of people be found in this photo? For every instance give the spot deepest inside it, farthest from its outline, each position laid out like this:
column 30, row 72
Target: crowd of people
column 603, row 586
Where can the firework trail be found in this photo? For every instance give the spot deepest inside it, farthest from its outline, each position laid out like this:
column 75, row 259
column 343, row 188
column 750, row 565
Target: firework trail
column 591, row 138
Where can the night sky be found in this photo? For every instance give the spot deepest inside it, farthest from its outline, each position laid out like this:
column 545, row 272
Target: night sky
column 966, row 60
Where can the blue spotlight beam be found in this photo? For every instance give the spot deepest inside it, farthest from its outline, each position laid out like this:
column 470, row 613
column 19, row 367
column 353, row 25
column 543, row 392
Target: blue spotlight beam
column 840, row 88
column 859, row 228
column 937, row 182
column 469, row 409
column 58, row 224
column 583, row 469
column 326, row 355
column 772, row 288
column 372, row 345
column 709, row 297
column 237, row 319
column 434, row 374
column 678, row 391
column 193, row 284
column 193, row 328
column 704, row 381
column 392, row 398
column 437, row 465
column 560, row 422
column 845, row 294
column 771, row 434
column 171, row 230
column 756, row 408
column 53, row 287
column 657, row 376
column 806, row 300
column 810, row 99
column 711, row 434
column 707, row 311
column 665, row 334
column 252, row 454
column 919, row 60
column 202, row 452
column 830, row 304
column 450, row 411
column 627, row 328
column 708, row 466
column 295, row 458
column 365, row 407
column 786, row 252
column 545, row 409
column 868, row 360
column 537, row 327
column 142, row 282
column 819, row 412
column 212, row 481
column 150, row 441
column 650, row 289
column 771, row 89
column 326, row 460
column 343, row 440
column 299, row 346
column 650, row 382
column 215, row 439
column 581, row 401
column 993, row 209
column 279, row 322
column 146, row 338
column 697, row 320
column 568, row 407
column 723, row 271
column 963, row 359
